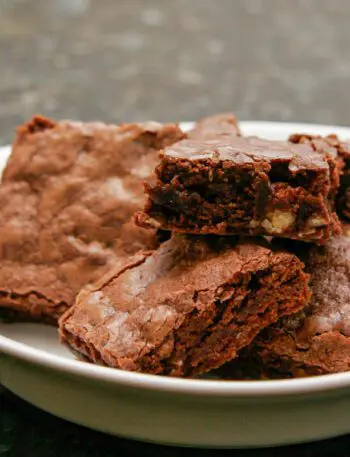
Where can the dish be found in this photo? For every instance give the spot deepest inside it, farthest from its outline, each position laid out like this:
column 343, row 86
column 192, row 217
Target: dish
column 207, row 413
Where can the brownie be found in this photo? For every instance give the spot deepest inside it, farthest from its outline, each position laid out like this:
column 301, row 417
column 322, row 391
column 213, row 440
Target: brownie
column 219, row 125
column 340, row 151
column 314, row 341
column 67, row 198
column 186, row 308
column 318, row 340
column 246, row 186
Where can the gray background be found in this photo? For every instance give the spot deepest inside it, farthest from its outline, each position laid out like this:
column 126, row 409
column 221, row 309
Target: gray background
column 128, row 60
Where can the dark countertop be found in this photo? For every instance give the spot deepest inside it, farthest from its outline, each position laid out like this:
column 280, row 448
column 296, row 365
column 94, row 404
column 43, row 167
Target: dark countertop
column 135, row 60
column 27, row 432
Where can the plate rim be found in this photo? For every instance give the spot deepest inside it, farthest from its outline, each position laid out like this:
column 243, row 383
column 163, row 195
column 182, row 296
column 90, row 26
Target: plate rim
column 193, row 387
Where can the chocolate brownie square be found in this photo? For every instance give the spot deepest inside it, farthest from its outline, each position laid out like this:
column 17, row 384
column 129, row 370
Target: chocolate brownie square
column 186, row 308
column 338, row 153
column 248, row 186
column 67, row 196
column 219, row 125
column 317, row 339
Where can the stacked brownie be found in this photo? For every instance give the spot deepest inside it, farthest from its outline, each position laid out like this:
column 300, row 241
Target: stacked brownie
column 214, row 292
column 231, row 257
column 236, row 185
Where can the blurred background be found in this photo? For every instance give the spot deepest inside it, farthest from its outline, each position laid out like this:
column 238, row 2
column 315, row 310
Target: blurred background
column 130, row 60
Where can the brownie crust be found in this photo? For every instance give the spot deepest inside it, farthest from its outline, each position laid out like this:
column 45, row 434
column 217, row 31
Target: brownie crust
column 186, row 308
column 67, row 198
column 242, row 186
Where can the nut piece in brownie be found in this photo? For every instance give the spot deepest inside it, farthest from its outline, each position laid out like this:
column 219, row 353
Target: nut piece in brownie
column 340, row 151
column 219, row 125
column 187, row 307
column 243, row 186
column 66, row 200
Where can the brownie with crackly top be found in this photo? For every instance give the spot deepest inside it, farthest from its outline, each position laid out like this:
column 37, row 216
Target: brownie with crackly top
column 186, row 308
column 338, row 154
column 219, row 125
column 67, row 196
column 318, row 340
column 314, row 341
column 248, row 186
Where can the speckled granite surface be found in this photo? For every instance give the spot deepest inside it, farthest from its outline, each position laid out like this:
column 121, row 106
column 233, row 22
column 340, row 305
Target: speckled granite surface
column 163, row 59
column 167, row 60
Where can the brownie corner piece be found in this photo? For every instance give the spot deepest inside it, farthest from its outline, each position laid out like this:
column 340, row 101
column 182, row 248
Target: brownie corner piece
column 337, row 153
column 243, row 186
column 37, row 123
column 186, row 308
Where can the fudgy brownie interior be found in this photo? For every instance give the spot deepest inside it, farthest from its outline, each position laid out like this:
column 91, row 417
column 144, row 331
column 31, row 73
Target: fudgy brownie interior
column 242, row 185
column 338, row 156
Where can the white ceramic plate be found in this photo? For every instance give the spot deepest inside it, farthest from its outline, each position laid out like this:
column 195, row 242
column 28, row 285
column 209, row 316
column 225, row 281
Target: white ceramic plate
column 175, row 411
